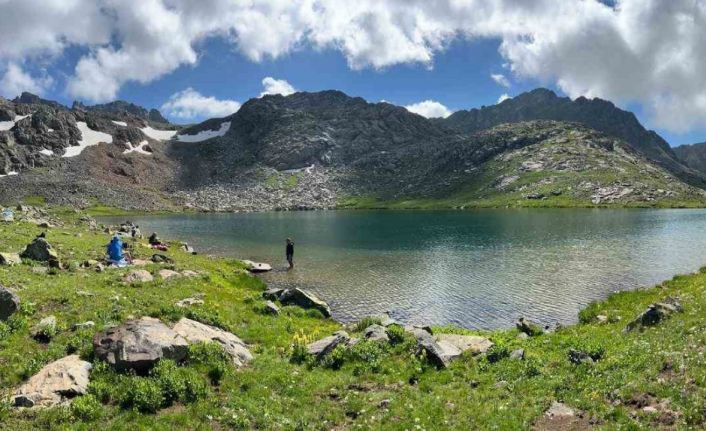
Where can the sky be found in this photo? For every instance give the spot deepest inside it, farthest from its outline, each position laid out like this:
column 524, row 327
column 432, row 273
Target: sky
column 196, row 60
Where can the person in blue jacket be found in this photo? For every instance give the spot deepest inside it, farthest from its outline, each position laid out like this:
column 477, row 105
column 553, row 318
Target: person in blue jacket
column 116, row 254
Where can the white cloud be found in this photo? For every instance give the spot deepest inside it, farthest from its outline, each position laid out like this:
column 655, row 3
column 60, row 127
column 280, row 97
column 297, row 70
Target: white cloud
column 429, row 109
column 645, row 51
column 503, row 97
column 500, row 79
column 190, row 104
column 15, row 81
column 276, row 86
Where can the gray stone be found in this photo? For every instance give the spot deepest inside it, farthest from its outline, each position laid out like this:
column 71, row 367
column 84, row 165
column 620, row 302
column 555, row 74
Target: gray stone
column 529, row 327
column 167, row 274
column 517, row 355
column 560, row 410
column 376, row 333
column 443, row 348
column 256, row 266
column 138, row 276
column 304, row 299
column 578, row 357
column 55, row 384
column 41, row 250
column 273, row 293
column 10, row 259
column 45, row 329
column 84, row 325
column 9, row 303
column 188, row 302
column 271, row 308
column 655, row 313
column 139, row 344
column 197, row 332
column 323, row 347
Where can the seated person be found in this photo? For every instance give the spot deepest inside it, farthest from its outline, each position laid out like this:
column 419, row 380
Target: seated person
column 116, row 253
column 156, row 243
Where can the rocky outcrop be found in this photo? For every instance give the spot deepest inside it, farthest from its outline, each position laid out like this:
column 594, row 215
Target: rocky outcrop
column 376, row 333
column 319, row 349
column 655, row 314
column 197, row 332
column 304, row 299
column 42, row 251
column 442, row 349
column 55, row 384
column 9, row 303
column 139, row 344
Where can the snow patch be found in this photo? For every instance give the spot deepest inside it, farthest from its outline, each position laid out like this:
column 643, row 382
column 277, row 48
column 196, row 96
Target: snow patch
column 89, row 138
column 138, row 149
column 50, row 130
column 9, row 174
column 46, row 152
column 307, row 169
column 120, row 123
column 160, row 135
column 7, row 125
column 205, row 134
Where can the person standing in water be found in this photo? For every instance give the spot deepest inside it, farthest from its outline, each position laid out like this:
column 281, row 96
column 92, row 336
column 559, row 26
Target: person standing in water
column 290, row 253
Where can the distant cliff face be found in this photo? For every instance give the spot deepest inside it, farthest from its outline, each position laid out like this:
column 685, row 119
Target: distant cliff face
column 694, row 156
column 598, row 114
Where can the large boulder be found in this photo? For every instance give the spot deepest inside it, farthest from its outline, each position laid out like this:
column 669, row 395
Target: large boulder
column 443, row 348
column 10, row 259
column 655, row 313
column 139, row 344
column 273, row 293
column 9, row 303
column 197, row 332
column 55, row 384
column 323, row 347
column 42, row 251
column 304, row 299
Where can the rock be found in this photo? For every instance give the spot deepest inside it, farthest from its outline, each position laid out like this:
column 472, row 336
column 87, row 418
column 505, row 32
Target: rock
column 45, row 329
column 558, row 409
column 256, row 267
column 99, row 267
column 190, row 274
column 376, row 333
column 140, row 262
column 578, row 357
column 166, row 274
column 602, row 318
column 650, row 409
column 522, row 336
column 10, row 259
column 139, row 344
column 160, row 258
column 196, row 332
column 41, row 250
column 517, row 355
column 304, row 299
column 529, row 327
column 55, row 384
column 271, row 308
column 188, row 302
column 319, row 349
column 84, row 325
column 655, row 313
column 138, row 276
column 9, row 303
column 273, row 293
column 444, row 348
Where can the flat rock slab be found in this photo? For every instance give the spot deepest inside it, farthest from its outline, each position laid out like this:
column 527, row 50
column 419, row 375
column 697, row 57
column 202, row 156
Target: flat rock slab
column 54, row 384
column 464, row 343
column 138, row 276
column 443, row 348
column 304, row 299
column 376, row 333
column 10, row 259
column 188, row 302
column 197, row 332
column 9, row 303
column 257, row 266
column 167, row 274
column 323, row 347
column 139, row 344
column 273, row 293
column 271, row 308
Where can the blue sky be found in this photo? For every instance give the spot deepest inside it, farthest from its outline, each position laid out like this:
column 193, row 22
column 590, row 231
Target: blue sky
column 205, row 58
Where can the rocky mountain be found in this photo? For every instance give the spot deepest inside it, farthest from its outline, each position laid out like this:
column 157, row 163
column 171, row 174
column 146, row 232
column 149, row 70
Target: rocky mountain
column 122, row 109
column 694, row 156
column 598, row 114
column 321, row 150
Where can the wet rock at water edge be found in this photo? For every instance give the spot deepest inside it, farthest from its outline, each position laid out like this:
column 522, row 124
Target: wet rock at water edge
column 139, row 344
column 304, row 299
column 319, row 349
column 529, row 327
column 197, row 332
column 55, row 384
column 9, row 303
column 273, row 293
column 256, row 267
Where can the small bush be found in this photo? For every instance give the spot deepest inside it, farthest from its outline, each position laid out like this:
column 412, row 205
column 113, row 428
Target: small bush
column 336, row 358
column 195, row 386
column 498, row 352
column 213, row 358
column 86, row 408
column 588, row 314
column 101, row 390
column 593, row 349
column 365, row 322
column 315, row 314
column 142, row 394
column 396, row 333
column 368, row 357
column 170, row 380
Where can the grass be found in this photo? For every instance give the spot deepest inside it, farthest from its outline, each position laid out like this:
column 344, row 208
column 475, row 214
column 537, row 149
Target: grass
column 370, row 386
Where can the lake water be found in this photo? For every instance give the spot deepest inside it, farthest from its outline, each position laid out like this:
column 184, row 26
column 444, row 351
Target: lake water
column 476, row 269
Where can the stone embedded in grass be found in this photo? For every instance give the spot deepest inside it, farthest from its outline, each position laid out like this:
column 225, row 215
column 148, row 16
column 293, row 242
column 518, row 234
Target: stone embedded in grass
column 45, row 329
column 84, row 325
column 138, row 276
column 188, row 302
column 271, row 308
column 376, row 333
column 517, row 355
column 578, row 357
column 41, row 250
column 55, row 384
column 529, row 327
column 197, row 332
column 190, row 274
column 558, row 409
column 9, row 303
column 655, row 313
column 10, row 259
column 166, row 274
column 441, row 349
column 319, row 349
column 139, row 344
column 304, row 299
